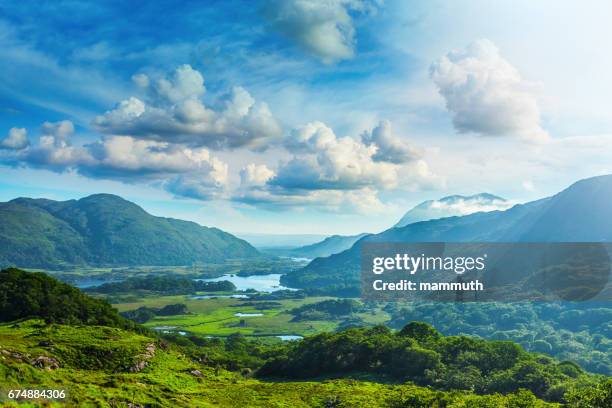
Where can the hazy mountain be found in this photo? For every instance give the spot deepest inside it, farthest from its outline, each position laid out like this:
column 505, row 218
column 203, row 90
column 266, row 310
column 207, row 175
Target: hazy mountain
column 104, row 229
column 329, row 246
column 452, row 206
column 580, row 213
column 278, row 241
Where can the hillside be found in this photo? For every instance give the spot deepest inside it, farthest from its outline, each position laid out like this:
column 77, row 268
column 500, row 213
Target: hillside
column 105, row 230
column 100, row 366
column 580, row 213
column 331, row 245
column 450, row 206
column 26, row 295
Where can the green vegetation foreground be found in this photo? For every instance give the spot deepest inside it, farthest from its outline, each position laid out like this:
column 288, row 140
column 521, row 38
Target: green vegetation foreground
column 375, row 367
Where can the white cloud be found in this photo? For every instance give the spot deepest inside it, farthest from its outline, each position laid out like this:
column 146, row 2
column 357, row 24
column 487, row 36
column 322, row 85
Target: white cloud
column 60, row 131
column 16, row 139
column 185, row 83
column 454, row 206
column 389, row 147
column 323, row 28
column 326, row 162
column 486, row 94
column 528, row 185
column 184, row 171
column 363, row 201
column 333, row 172
column 175, row 113
column 54, row 150
column 255, row 175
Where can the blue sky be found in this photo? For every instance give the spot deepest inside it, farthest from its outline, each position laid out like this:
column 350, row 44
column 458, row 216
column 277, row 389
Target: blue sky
column 301, row 116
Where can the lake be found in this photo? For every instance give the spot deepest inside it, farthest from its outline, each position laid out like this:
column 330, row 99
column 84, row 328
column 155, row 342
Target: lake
column 219, row 296
column 283, row 337
column 261, row 283
column 91, row 282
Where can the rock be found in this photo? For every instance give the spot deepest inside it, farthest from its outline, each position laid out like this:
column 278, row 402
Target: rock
column 44, row 362
column 148, row 354
column 138, row 367
column 196, row 373
column 149, row 351
column 16, row 356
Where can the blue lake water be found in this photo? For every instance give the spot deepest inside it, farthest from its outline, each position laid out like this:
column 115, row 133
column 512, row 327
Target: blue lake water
column 261, row 283
column 290, row 337
column 90, row 282
column 219, row 296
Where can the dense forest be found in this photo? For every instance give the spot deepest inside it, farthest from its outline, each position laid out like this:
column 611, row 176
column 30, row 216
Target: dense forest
column 163, row 284
column 578, row 332
column 144, row 314
column 28, row 295
column 328, row 309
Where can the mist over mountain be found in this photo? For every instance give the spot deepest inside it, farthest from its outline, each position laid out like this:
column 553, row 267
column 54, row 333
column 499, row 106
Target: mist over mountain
column 452, row 206
column 106, row 230
column 329, row 246
column 580, row 213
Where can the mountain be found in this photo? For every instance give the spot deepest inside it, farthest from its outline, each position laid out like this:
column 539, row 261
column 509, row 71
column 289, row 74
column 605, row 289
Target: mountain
column 274, row 242
column 580, row 213
column 106, row 230
column 451, row 206
column 329, row 246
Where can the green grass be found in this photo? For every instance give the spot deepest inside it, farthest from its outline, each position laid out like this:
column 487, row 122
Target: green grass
column 166, row 380
column 215, row 317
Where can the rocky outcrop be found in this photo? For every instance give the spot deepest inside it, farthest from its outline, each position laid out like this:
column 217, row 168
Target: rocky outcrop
column 45, row 363
column 143, row 358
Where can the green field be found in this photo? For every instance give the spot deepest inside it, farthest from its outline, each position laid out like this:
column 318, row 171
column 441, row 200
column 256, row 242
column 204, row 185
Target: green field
column 215, row 317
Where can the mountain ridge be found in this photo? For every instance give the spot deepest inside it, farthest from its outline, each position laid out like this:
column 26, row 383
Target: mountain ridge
column 106, row 230
column 579, row 213
column 452, row 205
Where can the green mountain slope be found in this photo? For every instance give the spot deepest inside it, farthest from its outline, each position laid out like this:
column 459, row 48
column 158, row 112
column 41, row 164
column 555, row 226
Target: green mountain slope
column 580, row 213
column 105, row 230
column 101, row 366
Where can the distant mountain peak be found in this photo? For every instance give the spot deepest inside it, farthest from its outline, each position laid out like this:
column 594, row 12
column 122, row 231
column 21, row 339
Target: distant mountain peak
column 453, row 205
column 333, row 244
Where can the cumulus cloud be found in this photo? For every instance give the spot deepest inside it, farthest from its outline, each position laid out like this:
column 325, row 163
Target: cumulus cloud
column 255, row 175
column 184, row 171
column 389, row 147
column 54, row 150
column 323, row 170
column 323, row 28
column 329, row 171
column 486, row 94
column 324, row 161
column 174, row 112
column 16, row 139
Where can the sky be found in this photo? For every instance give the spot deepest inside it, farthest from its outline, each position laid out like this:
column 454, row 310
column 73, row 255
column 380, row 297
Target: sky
column 302, row 116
